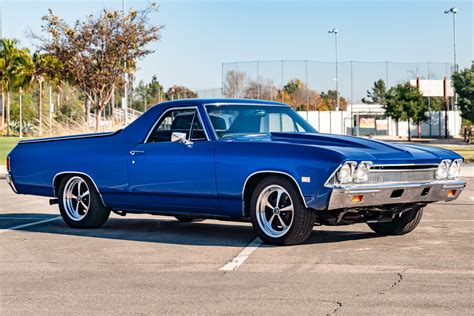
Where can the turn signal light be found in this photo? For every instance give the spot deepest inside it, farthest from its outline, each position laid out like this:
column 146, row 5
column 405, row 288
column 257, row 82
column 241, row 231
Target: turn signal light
column 8, row 164
column 452, row 193
column 357, row 198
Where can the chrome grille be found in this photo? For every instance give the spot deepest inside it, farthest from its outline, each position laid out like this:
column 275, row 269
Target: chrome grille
column 403, row 175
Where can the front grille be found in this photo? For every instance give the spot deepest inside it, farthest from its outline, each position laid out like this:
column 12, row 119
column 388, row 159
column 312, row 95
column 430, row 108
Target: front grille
column 402, row 175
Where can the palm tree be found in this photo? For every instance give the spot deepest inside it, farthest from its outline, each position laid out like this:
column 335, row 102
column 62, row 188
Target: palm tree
column 46, row 68
column 16, row 68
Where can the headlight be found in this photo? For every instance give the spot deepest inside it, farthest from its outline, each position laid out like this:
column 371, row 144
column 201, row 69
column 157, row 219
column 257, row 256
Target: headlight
column 346, row 172
column 455, row 169
column 443, row 169
column 362, row 172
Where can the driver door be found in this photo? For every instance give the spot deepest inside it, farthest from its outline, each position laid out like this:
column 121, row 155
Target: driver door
column 174, row 175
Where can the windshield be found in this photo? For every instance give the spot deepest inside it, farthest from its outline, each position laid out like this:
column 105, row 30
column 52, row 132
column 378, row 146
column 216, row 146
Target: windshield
column 239, row 120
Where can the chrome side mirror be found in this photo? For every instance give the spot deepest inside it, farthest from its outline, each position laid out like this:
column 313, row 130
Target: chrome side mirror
column 177, row 137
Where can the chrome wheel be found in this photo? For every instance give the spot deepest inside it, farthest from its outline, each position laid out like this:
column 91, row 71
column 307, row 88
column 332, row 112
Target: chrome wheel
column 275, row 211
column 76, row 198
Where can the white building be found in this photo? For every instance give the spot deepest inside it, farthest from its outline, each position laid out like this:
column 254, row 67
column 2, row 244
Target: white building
column 370, row 119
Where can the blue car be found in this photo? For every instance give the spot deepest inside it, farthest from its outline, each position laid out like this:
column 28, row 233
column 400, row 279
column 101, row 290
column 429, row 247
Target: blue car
column 240, row 160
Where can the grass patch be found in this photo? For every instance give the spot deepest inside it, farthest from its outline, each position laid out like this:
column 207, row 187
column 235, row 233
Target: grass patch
column 6, row 145
column 467, row 152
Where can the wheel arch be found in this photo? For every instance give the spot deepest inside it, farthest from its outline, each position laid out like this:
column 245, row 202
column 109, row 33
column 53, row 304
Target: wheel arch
column 58, row 176
column 252, row 181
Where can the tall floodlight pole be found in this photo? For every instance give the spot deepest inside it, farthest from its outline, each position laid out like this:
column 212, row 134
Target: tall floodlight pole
column 125, row 78
column 453, row 11
column 335, row 31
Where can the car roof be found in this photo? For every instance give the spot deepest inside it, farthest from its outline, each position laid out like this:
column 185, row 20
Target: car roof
column 183, row 102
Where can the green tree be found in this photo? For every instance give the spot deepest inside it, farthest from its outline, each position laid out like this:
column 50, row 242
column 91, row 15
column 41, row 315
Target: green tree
column 147, row 94
column 46, row 68
column 378, row 93
column 16, row 68
column 155, row 91
column 405, row 102
column 463, row 82
column 96, row 53
column 435, row 103
column 180, row 92
column 328, row 101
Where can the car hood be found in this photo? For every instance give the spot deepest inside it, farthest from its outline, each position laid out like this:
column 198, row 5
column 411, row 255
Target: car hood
column 356, row 148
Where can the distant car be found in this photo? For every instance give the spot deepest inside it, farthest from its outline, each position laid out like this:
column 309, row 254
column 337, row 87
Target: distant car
column 242, row 160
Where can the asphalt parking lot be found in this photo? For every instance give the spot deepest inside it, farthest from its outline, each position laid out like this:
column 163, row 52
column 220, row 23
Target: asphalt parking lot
column 146, row 264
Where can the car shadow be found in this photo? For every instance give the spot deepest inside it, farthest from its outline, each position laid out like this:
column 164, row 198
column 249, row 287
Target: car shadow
column 166, row 230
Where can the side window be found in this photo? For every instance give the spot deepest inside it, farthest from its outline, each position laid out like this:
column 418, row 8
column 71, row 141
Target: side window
column 197, row 133
column 182, row 121
column 173, row 121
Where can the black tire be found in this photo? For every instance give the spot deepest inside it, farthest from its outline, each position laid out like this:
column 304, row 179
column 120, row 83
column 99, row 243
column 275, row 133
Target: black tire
column 189, row 219
column 97, row 213
column 303, row 219
column 400, row 225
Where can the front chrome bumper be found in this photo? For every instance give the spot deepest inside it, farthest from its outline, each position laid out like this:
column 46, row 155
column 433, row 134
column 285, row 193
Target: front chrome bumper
column 10, row 182
column 354, row 196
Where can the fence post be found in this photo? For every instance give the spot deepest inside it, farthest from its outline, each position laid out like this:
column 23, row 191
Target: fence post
column 237, row 80
column 307, row 90
column 330, row 122
column 343, row 125
column 445, row 95
column 50, row 109
column 352, row 99
column 281, row 91
column 222, row 81
column 258, row 80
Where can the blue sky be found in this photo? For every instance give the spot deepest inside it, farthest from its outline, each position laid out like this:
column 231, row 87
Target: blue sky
column 200, row 35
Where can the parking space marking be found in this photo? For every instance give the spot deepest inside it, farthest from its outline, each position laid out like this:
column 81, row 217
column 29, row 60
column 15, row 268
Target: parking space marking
column 28, row 225
column 238, row 260
column 19, row 218
column 447, row 220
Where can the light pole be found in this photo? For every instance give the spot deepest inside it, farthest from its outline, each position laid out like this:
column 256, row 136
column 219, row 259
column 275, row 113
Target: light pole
column 453, row 11
column 335, row 31
column 125, row 78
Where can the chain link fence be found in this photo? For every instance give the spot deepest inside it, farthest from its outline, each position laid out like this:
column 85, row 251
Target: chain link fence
column 265, row 79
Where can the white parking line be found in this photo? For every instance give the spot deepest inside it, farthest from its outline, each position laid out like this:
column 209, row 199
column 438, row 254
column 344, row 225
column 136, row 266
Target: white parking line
column 447, row 220
column 238, row 260
column 19, row 218
column 28, row 225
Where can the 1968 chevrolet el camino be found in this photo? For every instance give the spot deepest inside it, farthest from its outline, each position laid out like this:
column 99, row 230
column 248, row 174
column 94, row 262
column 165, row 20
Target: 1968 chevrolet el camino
column 236, row 159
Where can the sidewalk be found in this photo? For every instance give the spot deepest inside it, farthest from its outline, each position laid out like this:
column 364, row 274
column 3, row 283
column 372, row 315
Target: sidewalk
column 452, row 141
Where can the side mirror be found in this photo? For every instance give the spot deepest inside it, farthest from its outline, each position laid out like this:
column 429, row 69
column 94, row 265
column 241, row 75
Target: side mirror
column 177, row 137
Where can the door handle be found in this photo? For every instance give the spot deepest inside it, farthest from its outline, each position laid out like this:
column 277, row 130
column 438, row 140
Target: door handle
column 136, row 152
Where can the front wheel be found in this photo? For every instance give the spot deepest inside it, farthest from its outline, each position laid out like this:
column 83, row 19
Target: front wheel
column 402, row 224
column 278, row 213
column 80, row 204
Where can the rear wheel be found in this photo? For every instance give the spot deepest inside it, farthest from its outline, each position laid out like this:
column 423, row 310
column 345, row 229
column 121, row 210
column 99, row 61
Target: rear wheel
column 278, row 213
column 80, row 204
column 403, row 224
